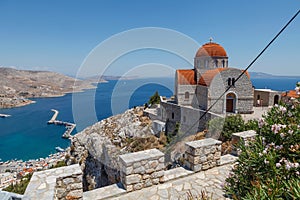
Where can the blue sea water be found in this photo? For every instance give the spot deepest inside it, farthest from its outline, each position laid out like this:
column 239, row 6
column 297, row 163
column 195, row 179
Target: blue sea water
column 26, row 135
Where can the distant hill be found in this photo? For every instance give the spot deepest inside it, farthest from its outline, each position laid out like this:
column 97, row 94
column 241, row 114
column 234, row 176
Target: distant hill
column 109, row 78
column 265, row 75
column 18, row 85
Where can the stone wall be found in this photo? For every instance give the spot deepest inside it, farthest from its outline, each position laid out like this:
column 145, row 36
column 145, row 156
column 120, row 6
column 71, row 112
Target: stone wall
column 266, row 97
column 187, row 117
column 203, row 154
column 69, row 187
column 180, row 95
column 201, row 97
column 142, row 169
column 245, row 137
column 242, row 89
column 44, row 184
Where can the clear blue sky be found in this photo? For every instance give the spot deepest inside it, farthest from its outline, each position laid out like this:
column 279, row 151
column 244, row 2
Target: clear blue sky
column 57, row 35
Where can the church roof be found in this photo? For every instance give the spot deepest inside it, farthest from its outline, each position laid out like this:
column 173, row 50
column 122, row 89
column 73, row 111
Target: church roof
column 211, row 49
column 209, row 75
column 186, row 77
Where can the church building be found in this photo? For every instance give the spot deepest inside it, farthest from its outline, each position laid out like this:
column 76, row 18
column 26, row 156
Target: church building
column 198, row 90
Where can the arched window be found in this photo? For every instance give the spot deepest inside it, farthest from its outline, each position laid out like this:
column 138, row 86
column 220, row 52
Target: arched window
column 186, row 95
column 172, row 115
column 233, row 81
column 223, row 63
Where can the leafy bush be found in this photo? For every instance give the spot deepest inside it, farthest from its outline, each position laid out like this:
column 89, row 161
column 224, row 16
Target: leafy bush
column 252, row 125
column 225, row 128
column 268, row 168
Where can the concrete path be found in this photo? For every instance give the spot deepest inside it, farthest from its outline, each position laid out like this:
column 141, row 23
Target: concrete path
column 258, row 113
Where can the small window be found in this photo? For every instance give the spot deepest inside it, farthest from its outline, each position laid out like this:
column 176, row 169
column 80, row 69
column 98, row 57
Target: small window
column 229, row 81
column 233, row 81
column 172, row 115
column 223, row 63
column 186, row 95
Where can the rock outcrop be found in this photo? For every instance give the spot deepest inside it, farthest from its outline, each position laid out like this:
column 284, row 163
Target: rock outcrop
column 97, row 148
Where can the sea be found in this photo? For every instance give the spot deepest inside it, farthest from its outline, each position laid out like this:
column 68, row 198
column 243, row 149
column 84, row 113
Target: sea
column 26, row 135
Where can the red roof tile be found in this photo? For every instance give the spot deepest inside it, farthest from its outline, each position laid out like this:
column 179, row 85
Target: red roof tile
column 185, row 77
column 291, row 93
column 211, row 49
column 209, row 75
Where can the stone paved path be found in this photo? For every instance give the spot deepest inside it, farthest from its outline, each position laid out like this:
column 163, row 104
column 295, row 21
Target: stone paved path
column 211, row 181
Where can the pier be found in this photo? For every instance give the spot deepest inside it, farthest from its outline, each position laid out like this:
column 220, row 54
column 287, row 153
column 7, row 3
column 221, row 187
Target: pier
column 69, row 126
column 51, row 121
column 4, row 115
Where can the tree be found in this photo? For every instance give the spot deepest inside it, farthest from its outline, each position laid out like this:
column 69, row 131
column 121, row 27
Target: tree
column 154, row 99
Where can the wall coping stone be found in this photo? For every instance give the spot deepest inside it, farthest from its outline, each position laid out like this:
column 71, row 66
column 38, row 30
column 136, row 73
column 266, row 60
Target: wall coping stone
column 202, row 143
column 128, row 159
column 104, row 192
column 42, row 184
column 245, row 134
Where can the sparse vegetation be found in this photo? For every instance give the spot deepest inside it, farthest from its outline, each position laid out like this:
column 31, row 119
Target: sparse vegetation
column 59, row 164
column 19, row 188
column 202, row 196
column 150, row 142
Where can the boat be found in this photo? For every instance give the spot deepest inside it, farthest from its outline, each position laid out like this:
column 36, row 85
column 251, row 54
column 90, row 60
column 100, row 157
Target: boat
column 59, row 149
column 4, row 115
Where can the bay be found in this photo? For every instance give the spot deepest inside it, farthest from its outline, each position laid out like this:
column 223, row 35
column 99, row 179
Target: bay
column 26, row 134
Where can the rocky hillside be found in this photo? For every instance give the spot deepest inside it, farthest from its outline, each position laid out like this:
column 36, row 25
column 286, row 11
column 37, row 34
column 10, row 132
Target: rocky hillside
column 97, row 147
column 18, row 85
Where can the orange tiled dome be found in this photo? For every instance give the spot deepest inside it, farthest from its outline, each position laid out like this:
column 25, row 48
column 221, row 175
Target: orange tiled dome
column 211, row 49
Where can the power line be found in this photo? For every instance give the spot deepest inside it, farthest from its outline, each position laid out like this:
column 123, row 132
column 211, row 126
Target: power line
column 244, row 71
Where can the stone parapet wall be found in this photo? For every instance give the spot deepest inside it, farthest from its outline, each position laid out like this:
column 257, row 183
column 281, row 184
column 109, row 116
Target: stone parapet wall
column 203, row 154
column 44, row 184
column 142, row 169
column 245, row 137
column 69, row 187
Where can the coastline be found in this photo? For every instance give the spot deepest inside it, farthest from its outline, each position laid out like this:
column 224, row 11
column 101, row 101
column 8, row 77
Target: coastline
column 26, row 101
column 18, row 165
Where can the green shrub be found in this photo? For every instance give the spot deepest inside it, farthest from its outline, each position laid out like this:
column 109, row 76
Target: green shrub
column 268, row 168
column 252, row 125
column 225, row 127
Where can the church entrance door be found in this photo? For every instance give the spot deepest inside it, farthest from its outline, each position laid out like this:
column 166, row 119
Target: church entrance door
column 230, row 102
